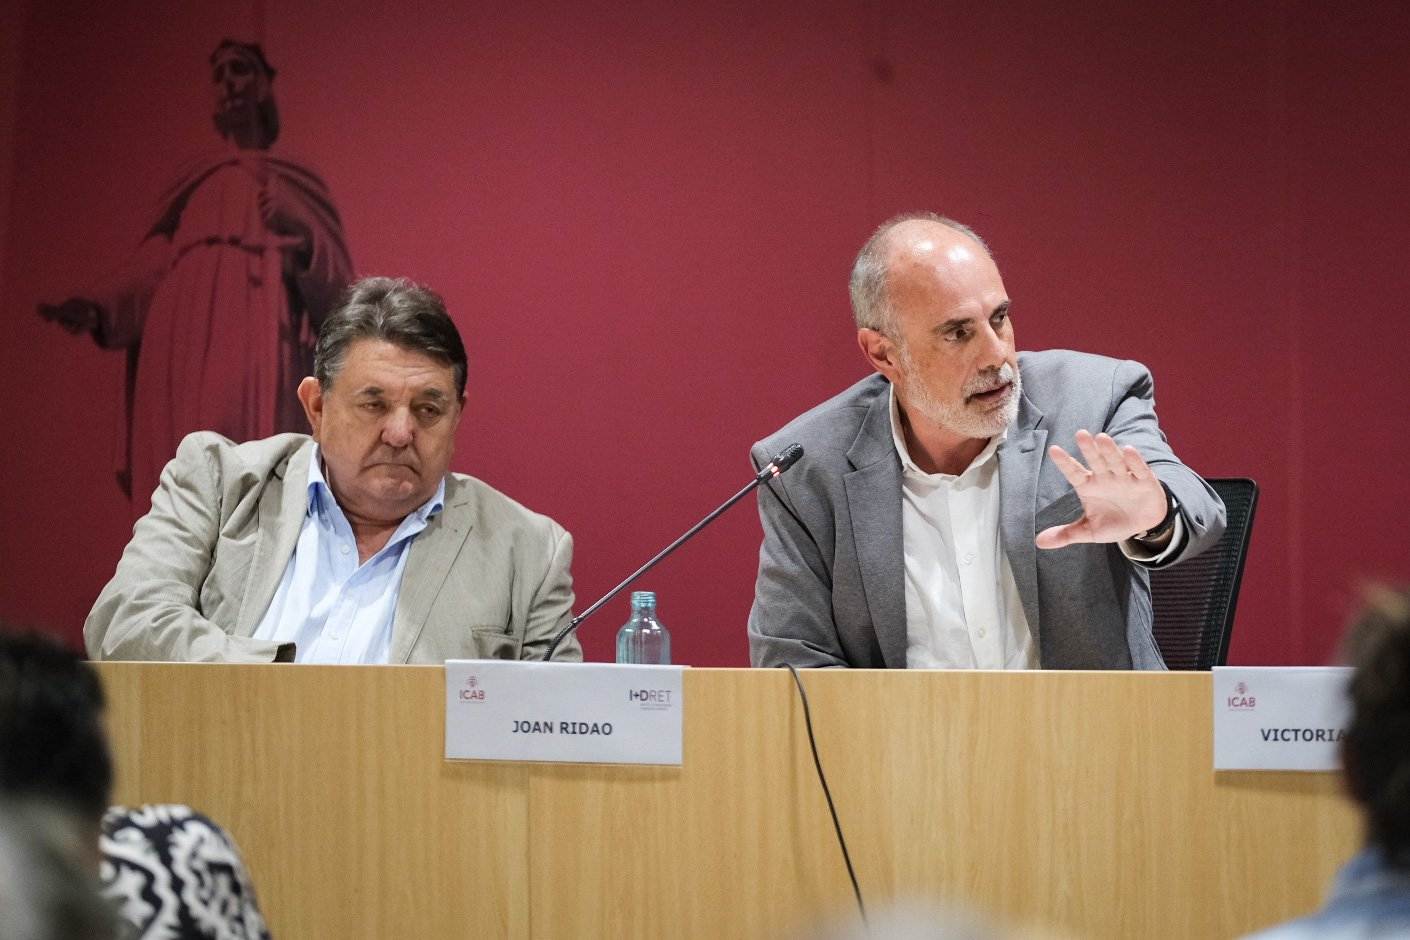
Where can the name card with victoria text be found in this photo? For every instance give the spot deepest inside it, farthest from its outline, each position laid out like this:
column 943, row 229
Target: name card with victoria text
column 1276, row 718
column 580, row 713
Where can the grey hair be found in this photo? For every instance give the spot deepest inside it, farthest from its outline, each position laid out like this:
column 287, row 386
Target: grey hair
column 871, row 305
column 397, row 311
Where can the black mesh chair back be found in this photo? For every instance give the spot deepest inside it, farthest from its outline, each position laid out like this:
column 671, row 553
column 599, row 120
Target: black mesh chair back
column 1194, row 601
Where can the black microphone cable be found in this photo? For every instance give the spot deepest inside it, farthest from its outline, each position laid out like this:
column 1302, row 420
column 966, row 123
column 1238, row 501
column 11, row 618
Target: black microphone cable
column 831, row 807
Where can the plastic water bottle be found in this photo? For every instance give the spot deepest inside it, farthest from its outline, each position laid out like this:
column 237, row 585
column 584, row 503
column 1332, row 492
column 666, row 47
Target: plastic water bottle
column 643, row 639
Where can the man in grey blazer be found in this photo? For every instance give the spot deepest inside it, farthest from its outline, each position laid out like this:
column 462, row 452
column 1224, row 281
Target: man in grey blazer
column 353, row 545
column 938, row 519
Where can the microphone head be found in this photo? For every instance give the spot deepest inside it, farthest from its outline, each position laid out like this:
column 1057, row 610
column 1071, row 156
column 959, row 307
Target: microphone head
column 787, row 457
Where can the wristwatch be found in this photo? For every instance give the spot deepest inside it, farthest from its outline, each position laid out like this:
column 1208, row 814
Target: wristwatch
column 1162, row 528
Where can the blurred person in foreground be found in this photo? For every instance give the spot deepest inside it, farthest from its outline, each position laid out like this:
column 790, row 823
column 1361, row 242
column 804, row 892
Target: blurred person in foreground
column 55, row 779
column 168, row 871
column 1371, row 894
column 353, row 545
column 46, row 891
column 53, row 747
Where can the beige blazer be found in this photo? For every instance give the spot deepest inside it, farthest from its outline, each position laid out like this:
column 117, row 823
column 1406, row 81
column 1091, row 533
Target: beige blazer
column 487, row 578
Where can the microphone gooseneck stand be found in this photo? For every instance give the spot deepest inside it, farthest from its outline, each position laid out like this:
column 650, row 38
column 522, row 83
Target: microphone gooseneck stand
column 781, row 462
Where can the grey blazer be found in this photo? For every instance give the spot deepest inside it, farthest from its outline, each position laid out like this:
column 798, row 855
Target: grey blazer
column 831, row 584
column 486, row 578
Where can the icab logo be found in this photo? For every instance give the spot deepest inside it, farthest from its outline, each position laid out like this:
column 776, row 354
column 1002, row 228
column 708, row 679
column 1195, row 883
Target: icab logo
column 1241, row 700
column 472, row 692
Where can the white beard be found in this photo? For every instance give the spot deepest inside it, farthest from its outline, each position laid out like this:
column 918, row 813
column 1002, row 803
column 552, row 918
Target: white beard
column 958, row 417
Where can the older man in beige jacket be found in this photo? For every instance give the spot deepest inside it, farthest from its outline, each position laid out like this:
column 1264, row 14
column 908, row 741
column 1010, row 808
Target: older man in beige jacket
column 355, row 544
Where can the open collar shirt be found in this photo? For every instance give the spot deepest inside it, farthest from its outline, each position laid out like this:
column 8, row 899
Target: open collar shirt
column 333, row 609
column 962, row 605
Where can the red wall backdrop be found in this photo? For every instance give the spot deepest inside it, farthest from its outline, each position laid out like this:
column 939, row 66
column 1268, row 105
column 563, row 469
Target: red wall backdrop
column 642, row 216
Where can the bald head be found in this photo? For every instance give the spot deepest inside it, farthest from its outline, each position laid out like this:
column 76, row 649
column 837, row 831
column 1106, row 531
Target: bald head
column 904, row 240
column 933, row 318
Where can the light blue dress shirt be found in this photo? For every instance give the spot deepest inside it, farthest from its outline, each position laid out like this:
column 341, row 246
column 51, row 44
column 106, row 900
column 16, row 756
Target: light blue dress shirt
column 1371, row 899
column 331, row 608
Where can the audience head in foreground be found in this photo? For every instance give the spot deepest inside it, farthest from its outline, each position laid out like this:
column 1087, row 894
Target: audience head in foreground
column 165, row 870
column 1376, row 750
column 53, row 748
column 1371, row 895
column 353, row 544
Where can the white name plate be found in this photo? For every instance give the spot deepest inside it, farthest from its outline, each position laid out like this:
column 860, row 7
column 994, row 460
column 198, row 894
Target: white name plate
column 581, row 713
column 1276, row 718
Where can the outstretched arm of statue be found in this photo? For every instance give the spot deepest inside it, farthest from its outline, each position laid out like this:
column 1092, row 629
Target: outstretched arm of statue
column 76, row 314
column 113, row 310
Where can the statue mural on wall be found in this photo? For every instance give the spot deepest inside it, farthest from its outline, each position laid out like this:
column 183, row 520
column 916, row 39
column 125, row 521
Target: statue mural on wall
column 220, row 305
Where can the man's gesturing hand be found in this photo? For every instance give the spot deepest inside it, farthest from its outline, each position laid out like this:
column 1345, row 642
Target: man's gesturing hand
column 1120, row 496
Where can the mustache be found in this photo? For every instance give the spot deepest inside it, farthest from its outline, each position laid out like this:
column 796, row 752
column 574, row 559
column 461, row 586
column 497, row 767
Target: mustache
column 403, row 459
column 989, row 380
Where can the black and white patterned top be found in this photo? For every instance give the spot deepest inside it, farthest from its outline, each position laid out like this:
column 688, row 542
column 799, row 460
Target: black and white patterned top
column 173, row 874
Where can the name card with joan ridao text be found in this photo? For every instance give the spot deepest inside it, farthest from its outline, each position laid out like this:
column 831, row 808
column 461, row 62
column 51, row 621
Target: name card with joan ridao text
column 580, row 713
column 1275, row 718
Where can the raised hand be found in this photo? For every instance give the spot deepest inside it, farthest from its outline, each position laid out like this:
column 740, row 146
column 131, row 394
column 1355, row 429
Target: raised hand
column 1120, row 496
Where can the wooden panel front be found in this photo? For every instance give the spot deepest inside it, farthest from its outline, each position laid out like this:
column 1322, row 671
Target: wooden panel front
column 332, row 781
column 1083, row 802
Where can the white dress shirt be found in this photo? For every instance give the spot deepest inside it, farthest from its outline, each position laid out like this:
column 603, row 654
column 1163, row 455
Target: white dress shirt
column 333, row 609
column 962, row 605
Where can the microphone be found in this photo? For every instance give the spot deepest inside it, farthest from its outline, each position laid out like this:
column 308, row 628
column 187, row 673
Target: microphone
column 780, row 462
